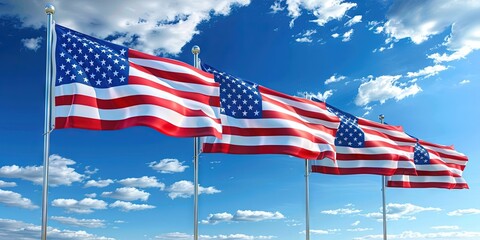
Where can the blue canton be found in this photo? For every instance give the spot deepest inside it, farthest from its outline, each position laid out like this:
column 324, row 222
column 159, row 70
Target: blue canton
column 90, row 61
column 238, row 98
column 349, row 134
column 421, row 156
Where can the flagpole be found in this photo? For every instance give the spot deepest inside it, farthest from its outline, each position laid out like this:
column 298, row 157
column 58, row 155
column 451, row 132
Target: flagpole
column 382, row 117
column 307, row 201
column 196, row 152
column 49, row 10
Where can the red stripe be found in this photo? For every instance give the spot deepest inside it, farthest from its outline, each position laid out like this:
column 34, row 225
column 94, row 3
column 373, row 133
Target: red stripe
column 129, row 101
column 380, row 144
column 269, row 114
column 425, row 143
column 136, row 54
column 388, row 136
column 362, row 121
column 361, row 170
column 195, row 96
column 147, row 121
column 402, row 184
column 174, row 76
column 266, row 149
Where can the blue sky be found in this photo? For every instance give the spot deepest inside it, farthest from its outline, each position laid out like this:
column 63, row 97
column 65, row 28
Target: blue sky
column 413, row 61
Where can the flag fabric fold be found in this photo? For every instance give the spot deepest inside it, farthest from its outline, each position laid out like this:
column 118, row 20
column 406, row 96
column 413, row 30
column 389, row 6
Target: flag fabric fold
column 367, row 147
column 437, row 166
column 103, row 86
column 258, row 120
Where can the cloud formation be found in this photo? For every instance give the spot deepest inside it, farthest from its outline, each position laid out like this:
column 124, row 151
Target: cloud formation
column 334, row 78
column 417, row 235
column 13, row 229
column 431, row 18
column 14, row 199
column 461, row 212
column 383, row 88
column 184, row 189
column 397, row 211
column 185, row 236
column 341, row 211
column 99, row 183
column 127, row 194
column 242, row 216
column 86, row 205
column 88, row 223
column 60, row 172
column 32, row 43
column 143, row 182
column 7, row 184
column 128, row 206
column 149, row 26
column 168, row 165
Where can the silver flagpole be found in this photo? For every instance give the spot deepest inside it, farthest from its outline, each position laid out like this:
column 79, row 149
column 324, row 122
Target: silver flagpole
column 49, row 10
column 381, row 117
column 307, row 201
column 196, row 152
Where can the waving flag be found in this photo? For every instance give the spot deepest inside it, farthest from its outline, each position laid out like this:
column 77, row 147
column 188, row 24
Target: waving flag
column 103, row 86
column 367, row 147
column 257, row 120
column 437, row 166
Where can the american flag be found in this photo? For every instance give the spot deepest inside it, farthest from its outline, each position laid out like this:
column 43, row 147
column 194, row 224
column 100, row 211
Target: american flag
column 257, row 120
column 367, row 147
column 438, row 166
column 103, row 86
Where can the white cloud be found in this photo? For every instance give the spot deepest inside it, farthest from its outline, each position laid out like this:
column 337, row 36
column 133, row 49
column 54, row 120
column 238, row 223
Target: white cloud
column 277, row 6
column 445, row 227
column 91, row 195
column 59, row 172
column 185, row 236
column 356, row 223
column 143, row 182
column 128, row 206
column 347, row 35
column 461, row 212
column 432, row 17
column 359, row 229
column 99, row 183
column 88, row 223
column 427, row 71
column 13, row 229
column 127, row 194
column 243, row 216
column 323, row 10
column 168, row 165
column 149, row 26
column 354, row 20
column 306, row 36
column 319, row 95
column 341, row 211
column 320, row 231
column 32, row 43
column 397, row 211
column 14, row 199
column 335, row 35
column 383, row 88
column 463, row 82
column 335, row 78
column 184, row 189
column 86, row 205
column 7, row 184
column 418, row 235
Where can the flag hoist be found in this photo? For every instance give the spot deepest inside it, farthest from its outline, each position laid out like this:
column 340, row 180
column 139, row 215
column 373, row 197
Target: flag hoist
column 196, row 153
column 48, row 127
column 384, row 213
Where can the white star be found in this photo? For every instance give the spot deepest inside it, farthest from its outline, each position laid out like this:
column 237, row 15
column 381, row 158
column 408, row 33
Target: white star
column 122, row 51
column 122, row 79
column 99, row 82
column 109, row 81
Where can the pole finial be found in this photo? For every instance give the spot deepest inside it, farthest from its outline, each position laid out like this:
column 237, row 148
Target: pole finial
column 381, row 117
column 195, row 49
column 49, row 9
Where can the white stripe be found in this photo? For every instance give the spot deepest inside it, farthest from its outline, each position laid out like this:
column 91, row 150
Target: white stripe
column 137, row 111
column 438, row 167
column 376, row 138
column 132, row 90
column 176, row 85
column 170, row 67
column 274, row 123
column 269, row 141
